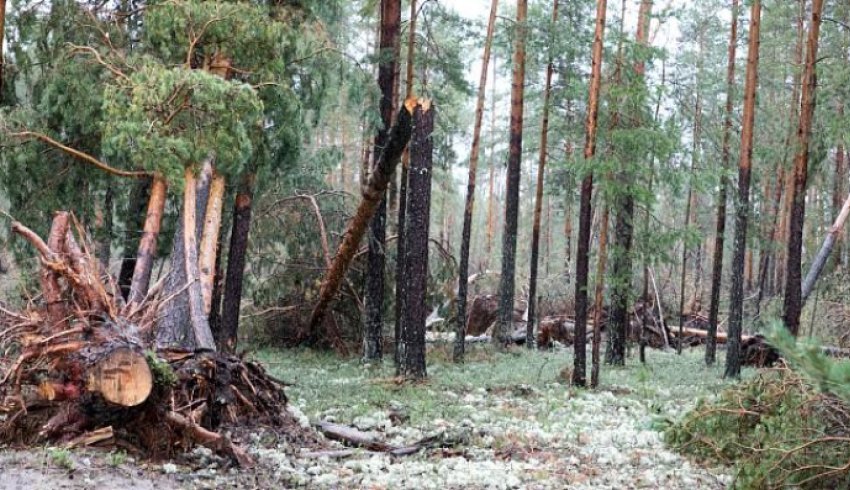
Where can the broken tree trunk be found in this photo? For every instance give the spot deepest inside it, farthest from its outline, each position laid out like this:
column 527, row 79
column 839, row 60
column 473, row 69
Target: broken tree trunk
column 411, row 345
column 373, row 193
column 184, row 322
column 825, row 249
column 143, row 263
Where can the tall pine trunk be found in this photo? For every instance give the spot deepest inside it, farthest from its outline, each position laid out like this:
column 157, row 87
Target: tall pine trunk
column 235, row 273
column 583, row 248
column 411, row 353
column 736, row 297
column 504, row 323
column 374, row 301
column 134, row 225
column 793, row 295
column 2, row 39
column 538, row 196
column 463, row 274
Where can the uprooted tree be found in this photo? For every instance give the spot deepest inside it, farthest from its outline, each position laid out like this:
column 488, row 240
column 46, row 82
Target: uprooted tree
column 192, row 98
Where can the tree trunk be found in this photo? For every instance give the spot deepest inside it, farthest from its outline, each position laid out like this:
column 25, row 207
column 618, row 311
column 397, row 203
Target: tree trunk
column 599, row 296
column 147, row 245
column 491, row 195
column 504, row 325
column 826, row 248
column 387, row 74
column 139, row 195
column 208, row 246
column 373, row 194
column 184, row 322
column 402, row 194
column 463, row 267
column 793, row 295
column 621, row 261
column 689, row 207
column 412, row 345
column 538, row 196
column 839, row 186
column 765, row 261
column 236, row 254
column 583, row 248
column 2, row 38
column 736, row 297
column 781, row 271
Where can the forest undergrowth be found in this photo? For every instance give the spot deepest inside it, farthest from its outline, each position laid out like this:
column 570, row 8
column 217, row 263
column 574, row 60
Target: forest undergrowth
column 514, row 421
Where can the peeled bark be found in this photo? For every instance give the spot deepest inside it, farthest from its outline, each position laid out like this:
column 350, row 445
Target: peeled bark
column 538, row 196
column 463, row 266
column 210, row 239
column 241, row 226
column 583, row 248
column 387, row 77
column 736, row 297
column 411, row 354
column 509, row 239
column 184, row 322
column 373, row 194
column 147, row 245
column 793, row 304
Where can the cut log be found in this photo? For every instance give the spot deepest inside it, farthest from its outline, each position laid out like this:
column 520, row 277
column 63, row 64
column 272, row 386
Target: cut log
column 122, row 377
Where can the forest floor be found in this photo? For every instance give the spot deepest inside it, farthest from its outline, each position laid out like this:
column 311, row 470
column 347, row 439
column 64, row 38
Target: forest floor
column 514, row 422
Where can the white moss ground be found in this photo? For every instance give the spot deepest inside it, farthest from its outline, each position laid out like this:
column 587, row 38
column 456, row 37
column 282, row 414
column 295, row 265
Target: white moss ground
column 520, row 426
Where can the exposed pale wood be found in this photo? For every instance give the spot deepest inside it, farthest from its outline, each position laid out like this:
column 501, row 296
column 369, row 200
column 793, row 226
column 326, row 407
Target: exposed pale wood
column 209, row 240
column 122, row 377
column 147, row 245
column 93, row 437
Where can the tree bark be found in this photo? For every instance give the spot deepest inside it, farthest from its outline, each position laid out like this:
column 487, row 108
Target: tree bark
column 184, row 322
column 491, row 194
column 412, row 346
column 463, row 266
column 826, row 248
column 373, row 193
column 2, row 38
column 781, row 271
column 387, row 75
column 583, row 248
column 621, row 261
column 402, row 194
column 689, row 207
column 509, row 239
column 236, row 254
column 538, row 196
column 793, row 295
column 599, row 296
column 147, row 245
column 736, row 297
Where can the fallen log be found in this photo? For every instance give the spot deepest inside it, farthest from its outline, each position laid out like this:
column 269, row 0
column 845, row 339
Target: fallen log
column 353, row 437
column 722, row 337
